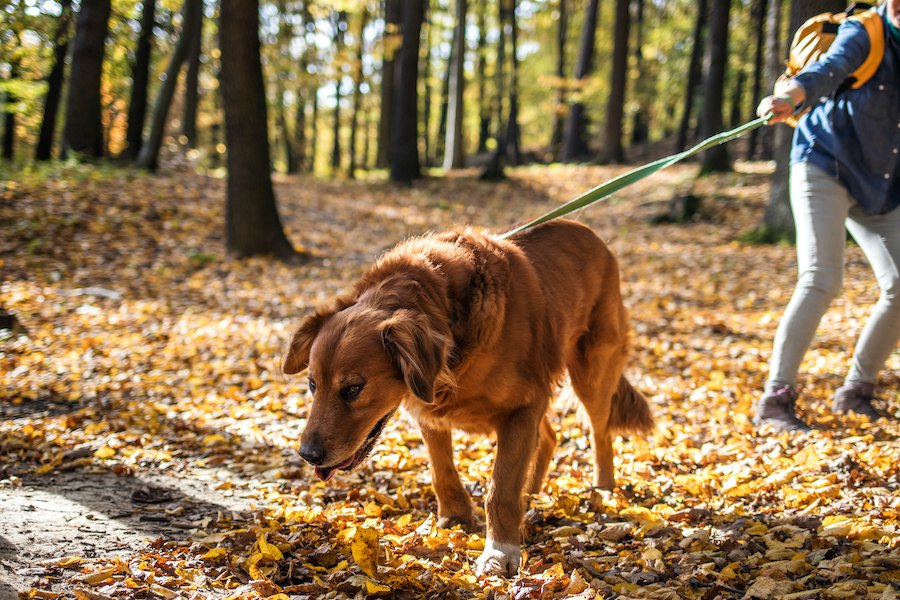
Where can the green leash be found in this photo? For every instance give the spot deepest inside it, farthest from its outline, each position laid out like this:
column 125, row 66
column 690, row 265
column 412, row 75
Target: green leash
column 614, row 185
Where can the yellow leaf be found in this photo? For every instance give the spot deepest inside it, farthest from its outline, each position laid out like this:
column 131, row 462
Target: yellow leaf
column 162, row 591
column 104, row 452
column 214, row 554
column 212, row 440
column 376, row 588
column 97, row 577
column 268, row 550
column 365, row 550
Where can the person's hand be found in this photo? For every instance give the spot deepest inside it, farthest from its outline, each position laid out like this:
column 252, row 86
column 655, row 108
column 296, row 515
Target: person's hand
column 781, row 108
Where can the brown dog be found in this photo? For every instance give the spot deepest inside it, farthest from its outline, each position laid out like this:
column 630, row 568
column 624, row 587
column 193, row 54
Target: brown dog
column 469, row 331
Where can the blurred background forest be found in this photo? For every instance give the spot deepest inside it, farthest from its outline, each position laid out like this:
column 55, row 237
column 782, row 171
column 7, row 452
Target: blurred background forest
column 348, row 87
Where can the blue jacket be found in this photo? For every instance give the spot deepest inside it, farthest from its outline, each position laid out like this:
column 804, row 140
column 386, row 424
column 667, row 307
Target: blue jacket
column 855, row 135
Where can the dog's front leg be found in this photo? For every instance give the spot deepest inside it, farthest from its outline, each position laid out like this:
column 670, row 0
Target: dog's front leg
column 454, row 505
column 505, row 501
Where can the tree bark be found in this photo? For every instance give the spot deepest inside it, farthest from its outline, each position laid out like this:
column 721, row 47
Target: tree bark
column 192, row 82
column 391, row 45
column 83, row 131
column 55, row 80
column 140, row 80
column 440, row 137
column 758, row 14
column 695, row 75
column 494, row 170
column 513, row 133
column 484, row 113
column 454, row 155
column 640, row 129
column 339, row 19
column 615, row 108
column 9, row 118
column 148, row 158
column 559, row 111
column 778, row 220
column 575, row 145
column 252, row 224
column 357, row 89
column 405, row 164
column 711, row 121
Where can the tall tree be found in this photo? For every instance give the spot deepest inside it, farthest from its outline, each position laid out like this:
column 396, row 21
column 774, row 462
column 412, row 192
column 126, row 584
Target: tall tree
column 484, row 113
column 778, row 221
column 192, row 82
column 758, row 14
column 55, row 80
column 83, row 132
column 454, row 154
column 640, row 128
column 513, row 133
column 615, row 108
column 9, row 118
column 357, row 88
column 252, row 223
column 148, row 158
column 140, row 80
column 494, row 170
column 774, row 64
column 405, row 164
column 339, row 24
column 711, row 120
column 562, row 33
column 391, row 43
column 695, row 75
column 575, row 139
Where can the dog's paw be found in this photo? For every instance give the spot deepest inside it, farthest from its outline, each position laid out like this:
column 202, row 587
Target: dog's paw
column 499, row 559
column 469, row 523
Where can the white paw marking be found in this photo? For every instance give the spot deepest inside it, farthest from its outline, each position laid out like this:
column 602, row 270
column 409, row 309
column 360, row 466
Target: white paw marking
column 499, row 559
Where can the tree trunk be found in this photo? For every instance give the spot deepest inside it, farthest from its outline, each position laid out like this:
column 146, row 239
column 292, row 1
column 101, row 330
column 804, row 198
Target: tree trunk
column 83, row 132
column 392, row 42
column 314, row 128
column 778, row 221
column 494, row 170
column 454, row 156
column 640, row 129
column 513, row 133
column 252, row 223
column 711, row 122
column 615, row 108
column 426, row 92
column 695, row 75
column 140, row 79
column 192, row 82
column 559, row 111
column 441, row 134
column 55, row 80
column 484, row 113
column 758, row 14
column 148, row 158
column 357, row 89
column 405, row 164
column 339, row 19
column 774, row 64
column 9, row 118
column 737, row 97
column 575, row 145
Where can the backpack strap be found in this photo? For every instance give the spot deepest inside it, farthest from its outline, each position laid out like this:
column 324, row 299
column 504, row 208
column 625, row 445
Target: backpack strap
column 871, row 20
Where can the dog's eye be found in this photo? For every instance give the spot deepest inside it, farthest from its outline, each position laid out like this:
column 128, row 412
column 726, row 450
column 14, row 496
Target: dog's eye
column 312, row 386
column 351, row 392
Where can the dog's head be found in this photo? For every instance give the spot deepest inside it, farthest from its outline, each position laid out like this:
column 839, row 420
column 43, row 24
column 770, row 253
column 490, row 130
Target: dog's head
column 362, row 362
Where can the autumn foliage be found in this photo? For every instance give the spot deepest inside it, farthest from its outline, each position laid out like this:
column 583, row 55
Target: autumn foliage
column 140, row 351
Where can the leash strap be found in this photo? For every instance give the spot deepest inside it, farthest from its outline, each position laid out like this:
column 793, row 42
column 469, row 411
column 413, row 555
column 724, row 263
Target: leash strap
column 614, row 185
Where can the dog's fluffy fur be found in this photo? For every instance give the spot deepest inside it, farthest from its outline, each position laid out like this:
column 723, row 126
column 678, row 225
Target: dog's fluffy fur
column 469, row 331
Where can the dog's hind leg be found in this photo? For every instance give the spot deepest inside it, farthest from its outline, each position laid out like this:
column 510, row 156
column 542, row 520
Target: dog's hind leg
column 546, row 446
column 595, row 367
column 454, row 504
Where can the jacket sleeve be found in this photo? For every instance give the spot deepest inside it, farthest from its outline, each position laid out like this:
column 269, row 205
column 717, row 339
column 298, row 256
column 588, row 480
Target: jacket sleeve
column 820, row 79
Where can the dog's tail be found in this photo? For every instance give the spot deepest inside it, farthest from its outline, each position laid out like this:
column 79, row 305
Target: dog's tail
column 630, row 412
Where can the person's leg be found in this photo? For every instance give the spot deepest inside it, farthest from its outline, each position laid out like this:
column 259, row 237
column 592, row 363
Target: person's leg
column 820, row 205
column 879, row 238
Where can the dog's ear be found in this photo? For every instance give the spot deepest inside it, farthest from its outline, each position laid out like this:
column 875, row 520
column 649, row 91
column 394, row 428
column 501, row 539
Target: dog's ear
column 418, row 350
column 296, row 357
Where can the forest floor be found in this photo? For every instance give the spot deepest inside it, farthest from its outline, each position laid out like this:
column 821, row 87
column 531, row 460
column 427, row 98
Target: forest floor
column 147, row 438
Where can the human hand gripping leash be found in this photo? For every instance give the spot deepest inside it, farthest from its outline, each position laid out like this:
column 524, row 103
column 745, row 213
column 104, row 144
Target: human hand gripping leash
column 608, row 188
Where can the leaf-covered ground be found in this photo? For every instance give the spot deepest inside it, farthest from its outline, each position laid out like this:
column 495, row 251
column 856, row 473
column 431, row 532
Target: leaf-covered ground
column 147, row 438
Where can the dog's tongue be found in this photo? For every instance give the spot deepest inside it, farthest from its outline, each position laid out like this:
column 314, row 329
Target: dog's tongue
column 325, row 473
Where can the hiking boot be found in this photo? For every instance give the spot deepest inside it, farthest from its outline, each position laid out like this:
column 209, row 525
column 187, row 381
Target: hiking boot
column 776, row 408
column 855, row 397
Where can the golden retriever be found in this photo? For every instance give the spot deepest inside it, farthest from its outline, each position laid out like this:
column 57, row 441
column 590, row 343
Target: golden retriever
column 470, row 331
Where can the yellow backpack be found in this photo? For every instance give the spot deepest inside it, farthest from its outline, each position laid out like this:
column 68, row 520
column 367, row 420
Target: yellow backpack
column 815, row 36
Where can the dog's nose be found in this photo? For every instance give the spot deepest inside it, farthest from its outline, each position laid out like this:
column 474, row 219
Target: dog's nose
column 312, row 452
